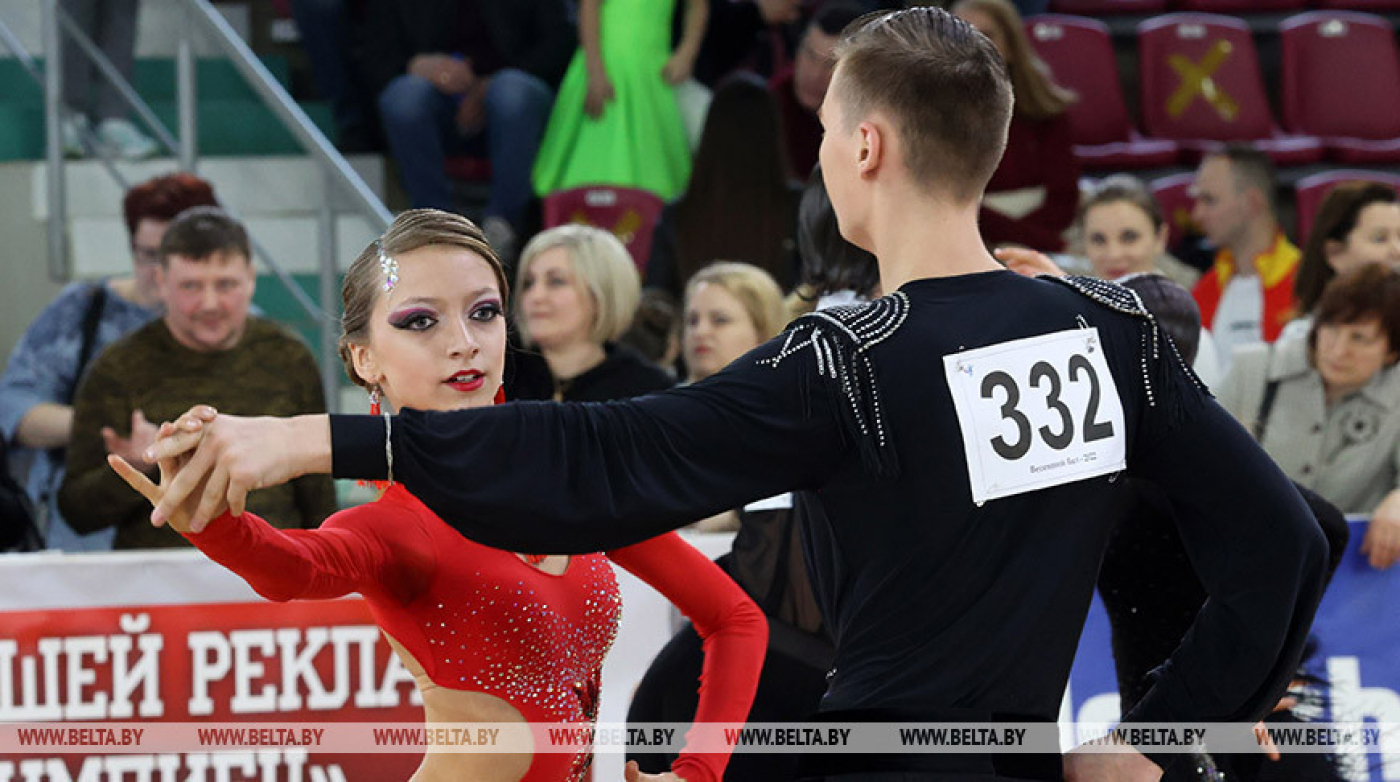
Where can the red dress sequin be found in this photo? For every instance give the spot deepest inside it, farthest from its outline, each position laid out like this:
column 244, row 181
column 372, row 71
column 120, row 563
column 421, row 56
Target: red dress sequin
column 482, row 620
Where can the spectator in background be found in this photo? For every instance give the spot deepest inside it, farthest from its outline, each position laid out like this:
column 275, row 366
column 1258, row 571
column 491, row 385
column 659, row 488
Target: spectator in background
column 738, row 203
column 738, row 31
column 111, row 24
column 834, row 271
column 327, row 29
column 1247, row 295
column 1033, row 194
column 616, row 121
column 801, row 86
column 730, row 309
column 1125, row 232
column 656, row 330
column 1356, row 224
column 36, row 392
column 1125, row 237
column 447, row 71
column 207, row 349
column 577, row 293
column 1324, row 407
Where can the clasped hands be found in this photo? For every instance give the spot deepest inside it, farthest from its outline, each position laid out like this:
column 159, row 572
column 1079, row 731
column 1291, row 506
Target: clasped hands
column 210, row 462
column 170, row 466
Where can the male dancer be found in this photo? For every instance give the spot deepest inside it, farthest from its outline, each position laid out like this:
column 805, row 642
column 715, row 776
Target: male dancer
column 960, row 438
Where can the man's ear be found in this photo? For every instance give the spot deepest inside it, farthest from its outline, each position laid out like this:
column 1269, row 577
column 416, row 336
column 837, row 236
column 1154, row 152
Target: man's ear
column 871, row 150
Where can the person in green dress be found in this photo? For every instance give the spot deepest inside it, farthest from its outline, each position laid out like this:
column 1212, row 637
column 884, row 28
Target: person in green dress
column 616, row 120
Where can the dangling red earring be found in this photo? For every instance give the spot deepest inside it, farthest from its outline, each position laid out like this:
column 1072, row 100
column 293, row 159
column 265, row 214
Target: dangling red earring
column 500, row 395
column 376, row 409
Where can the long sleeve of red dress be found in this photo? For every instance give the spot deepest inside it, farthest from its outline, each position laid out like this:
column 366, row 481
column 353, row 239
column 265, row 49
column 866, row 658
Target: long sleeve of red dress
column 346, row 554
column 733, row 630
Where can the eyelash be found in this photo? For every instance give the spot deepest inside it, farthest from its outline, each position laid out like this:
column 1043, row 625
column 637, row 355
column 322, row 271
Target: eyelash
column 422, row 321
column 492, row 312
column 418, row 321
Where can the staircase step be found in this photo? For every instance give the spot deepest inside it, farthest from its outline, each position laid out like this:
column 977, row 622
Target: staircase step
column 261, row 186
column 226, row 127
column 154, row 79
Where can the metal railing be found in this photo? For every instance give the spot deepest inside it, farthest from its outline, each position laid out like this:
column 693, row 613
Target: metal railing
column 199, row 16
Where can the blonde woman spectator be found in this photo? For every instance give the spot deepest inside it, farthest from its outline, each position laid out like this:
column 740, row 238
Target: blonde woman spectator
column 730, row 309
column 579, row 291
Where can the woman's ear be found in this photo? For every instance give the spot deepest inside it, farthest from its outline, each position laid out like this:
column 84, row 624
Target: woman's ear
column 1331, row 249
column 365, row 366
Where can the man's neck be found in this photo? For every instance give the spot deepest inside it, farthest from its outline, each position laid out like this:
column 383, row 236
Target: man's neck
column 1258, row 238
column 915, row 237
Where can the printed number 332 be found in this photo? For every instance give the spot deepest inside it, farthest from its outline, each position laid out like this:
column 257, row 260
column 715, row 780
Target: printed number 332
column 1042, row 372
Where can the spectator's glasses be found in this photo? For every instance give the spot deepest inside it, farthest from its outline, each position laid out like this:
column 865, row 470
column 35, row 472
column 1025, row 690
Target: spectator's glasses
column 145, row 255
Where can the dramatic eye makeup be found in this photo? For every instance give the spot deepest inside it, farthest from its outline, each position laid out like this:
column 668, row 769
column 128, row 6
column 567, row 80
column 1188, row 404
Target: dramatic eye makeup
column 413, row 319
column 489, row 309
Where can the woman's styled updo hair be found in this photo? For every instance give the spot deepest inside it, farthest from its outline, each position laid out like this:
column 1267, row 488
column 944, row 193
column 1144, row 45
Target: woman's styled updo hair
column 364, row 282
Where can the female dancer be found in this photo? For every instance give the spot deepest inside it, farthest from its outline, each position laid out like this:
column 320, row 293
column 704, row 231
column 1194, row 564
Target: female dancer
column 490, row 635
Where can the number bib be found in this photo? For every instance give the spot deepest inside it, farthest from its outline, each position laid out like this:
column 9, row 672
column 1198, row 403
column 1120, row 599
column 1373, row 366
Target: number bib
column 1037, row 412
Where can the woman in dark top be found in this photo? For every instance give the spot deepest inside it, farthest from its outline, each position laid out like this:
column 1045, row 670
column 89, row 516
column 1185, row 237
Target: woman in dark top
column 730, row 309
column 738, row 205
column 1033, row 194
column 578, row 293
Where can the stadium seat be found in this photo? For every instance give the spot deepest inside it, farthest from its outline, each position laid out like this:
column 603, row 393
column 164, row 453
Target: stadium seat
column 1341, row 83
column 1310, row 191
column 1201, row 86
column 630, row 214
column 1080, row 54
column 1360, row 5
column 1096, row 7
column 1239, row 6
column 1173, row 193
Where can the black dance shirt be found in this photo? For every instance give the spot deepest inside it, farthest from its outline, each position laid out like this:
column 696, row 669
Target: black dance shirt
column 936, row 603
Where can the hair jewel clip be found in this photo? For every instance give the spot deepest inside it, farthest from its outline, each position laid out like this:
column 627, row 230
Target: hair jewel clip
column 388, row 265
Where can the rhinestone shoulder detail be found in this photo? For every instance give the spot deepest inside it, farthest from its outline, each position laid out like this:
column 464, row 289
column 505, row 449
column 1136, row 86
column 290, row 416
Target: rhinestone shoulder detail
column 1125, row 300
column 840, row 339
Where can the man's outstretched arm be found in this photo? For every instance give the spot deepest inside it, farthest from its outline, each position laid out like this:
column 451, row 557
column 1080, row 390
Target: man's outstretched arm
column 551, row 478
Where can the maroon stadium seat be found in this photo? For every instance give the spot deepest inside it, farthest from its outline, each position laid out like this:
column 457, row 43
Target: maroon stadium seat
column 1173, row 193
column 1095, row 7
column 1310, row 191
column 1360, row 5
column 630, row 214
column 1201, row 86
column 1341, row 83
column 1239, row 6
column 1080, row 54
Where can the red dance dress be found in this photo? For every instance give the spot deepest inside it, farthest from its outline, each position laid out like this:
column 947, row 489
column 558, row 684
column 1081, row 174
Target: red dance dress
column 481, row 619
